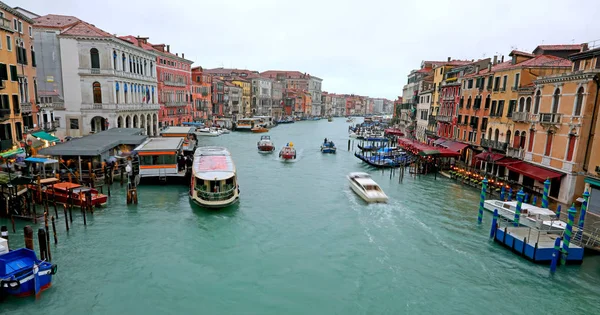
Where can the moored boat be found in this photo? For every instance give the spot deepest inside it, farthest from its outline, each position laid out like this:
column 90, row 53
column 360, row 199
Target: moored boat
column 214, row 181
column 329, row 119
column 366, row 188
column 288, row 152
column 67, row 193
column 259, row 129
column 207, row 132
column 531, row 216
column 22, row 274
column 265, row 145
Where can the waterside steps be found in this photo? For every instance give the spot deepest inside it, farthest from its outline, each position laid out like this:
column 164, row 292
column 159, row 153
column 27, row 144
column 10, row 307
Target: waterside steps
column 538, row 244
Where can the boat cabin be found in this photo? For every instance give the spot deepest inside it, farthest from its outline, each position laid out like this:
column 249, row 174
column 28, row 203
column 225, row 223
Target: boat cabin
column 161, row 158
column 187, row 133
column 247, row 123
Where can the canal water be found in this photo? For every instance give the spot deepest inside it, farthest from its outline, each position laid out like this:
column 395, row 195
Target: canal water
column 300, row 242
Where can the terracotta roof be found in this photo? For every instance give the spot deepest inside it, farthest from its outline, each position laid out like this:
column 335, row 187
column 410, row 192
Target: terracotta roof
column 424, row 70
column 82, row 28
column 288, row 74
column 228, row 71
column 545, row 61
column 559, row 47
column 55, row 21
column 522, row 53
column 148, row 46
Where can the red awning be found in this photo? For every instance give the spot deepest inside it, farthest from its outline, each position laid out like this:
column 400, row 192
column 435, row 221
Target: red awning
column 454, row 146
column 535, row 172
column 394, row 132
column 493, row 157
column 507, row 161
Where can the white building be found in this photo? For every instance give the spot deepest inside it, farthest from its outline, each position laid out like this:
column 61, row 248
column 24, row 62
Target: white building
column 339, row 105
column 314, row 88
column 261, row 95
column 423, row 109
column 107, row 82
column 378, row 105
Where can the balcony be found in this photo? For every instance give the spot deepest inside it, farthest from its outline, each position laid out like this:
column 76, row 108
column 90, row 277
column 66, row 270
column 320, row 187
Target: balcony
column 175, row 104
column 51, row 125
column 496, row 145
column 443, row 118
column 26, row 107
column 6, row 24
column 6, row 145
column 520, row 116
column 430, row 133
column 174, row 83
column 549, row 118
column 517, row 153
column 120, row 107
column 58, row 106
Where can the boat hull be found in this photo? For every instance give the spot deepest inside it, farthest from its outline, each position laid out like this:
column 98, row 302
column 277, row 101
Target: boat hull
column 216, row 204
column 22, row 282
column 287, row 157
column 266, row 149
column 369, row 199
column 328, row 150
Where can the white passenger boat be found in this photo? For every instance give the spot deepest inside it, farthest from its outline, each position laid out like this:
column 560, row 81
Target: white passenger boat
column 207, row 132
column 531, row 216
column 366, row 188
column 214, row 180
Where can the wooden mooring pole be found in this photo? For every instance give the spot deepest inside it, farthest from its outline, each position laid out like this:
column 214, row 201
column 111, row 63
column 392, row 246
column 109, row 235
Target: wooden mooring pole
column 54, row 230
column 28, row 236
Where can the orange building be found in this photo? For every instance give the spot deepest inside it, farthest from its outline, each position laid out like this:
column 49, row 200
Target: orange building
column 201, row 95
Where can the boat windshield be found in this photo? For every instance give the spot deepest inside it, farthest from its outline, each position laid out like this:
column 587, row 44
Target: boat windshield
column 372, row 187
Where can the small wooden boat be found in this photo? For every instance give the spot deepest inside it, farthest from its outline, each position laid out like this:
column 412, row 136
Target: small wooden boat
column 22, row 274
column 259, row 129
column 265, row 145
column 66, row 193
column 288, row 152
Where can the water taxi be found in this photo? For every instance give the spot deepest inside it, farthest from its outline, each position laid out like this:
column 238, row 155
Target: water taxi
column 288, row 152
column 67, row 193
column 366, row 188
column 265, row 145
column 161, row 158
column 259, row 129
column 22, row 274
column 207, row 132
column 328, row 147
column 531, row 216
column 246, row 124
column 214, row 180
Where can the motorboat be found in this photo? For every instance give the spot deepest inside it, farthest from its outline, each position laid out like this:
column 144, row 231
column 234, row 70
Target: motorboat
column 366, row 188
column 329, row 119
column 207, row 132
column 259, row 129
column 265, row 145
column 288, row 152
column 328, row 147
column 531, row 216
column 22, row 274
column 214, row 178
column 350, row 120
column 71, row 193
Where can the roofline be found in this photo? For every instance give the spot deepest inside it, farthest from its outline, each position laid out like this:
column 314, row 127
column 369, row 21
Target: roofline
column 16, row 13
column 110, row 38
column 33, row 13
column 163, row 53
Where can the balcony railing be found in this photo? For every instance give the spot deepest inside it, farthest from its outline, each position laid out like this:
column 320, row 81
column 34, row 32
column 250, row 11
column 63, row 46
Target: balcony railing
column 549, row 118
column 58, row 106
column 51, row 125
column 520, row 116
column 443, row 118
column 6, row 24
column 120, row 107
column 173, row 104
column 174, row 83
column 26, row 107
column 516, row 153
column 497, row 145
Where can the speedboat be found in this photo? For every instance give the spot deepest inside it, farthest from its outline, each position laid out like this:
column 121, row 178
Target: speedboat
column 22, row 274
column 265, row 145
column 207, row 132
column 259, row 129
column 328, row 147
column 366, row 188
column 288, row 152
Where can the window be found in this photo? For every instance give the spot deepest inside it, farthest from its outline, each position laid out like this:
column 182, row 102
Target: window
column 493, row 110
column 521, row 104
column 20, row 24
column 549, row 137
column 97, row 89
column 538, row 98
column 504, row 80
column 470, row 84
column 15, row 24
column 469, row 102
column 517, row 139
column 95, row 58
column 531, row 136
column 30, row 31
column 124, row 62
column 512, row 104
column 490, row 79
column 522, row 140
column 488, row 99
column 497, row 135
column 500, row 108
column 15, row 100
column 74, row 124
column 555, row 101
column 571, row 147
column 484, row 122
column 576, row 65
column 597, row 62
column 496, row 83
column 517, row 77
column 578, row 102
column 3, row 72
column 528, row 104
column 8, row 43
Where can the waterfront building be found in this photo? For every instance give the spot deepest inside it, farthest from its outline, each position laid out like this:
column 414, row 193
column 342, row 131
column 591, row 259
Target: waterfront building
column 18, row 79
column 326, row 102
column 276, row 98
column 218, row 97
column 410, row 98
column 174, row 78
column 261, row 95
column 233, row 99
column 423, row 107
column 246, row 95
column 201, row 93
column 315, row 89
column 397, row 109
column 377, row 105
column 338, row 104
column 296, row 80
column 112, row 83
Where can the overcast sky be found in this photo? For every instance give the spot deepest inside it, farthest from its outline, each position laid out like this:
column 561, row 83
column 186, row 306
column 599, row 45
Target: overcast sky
column 361, row 47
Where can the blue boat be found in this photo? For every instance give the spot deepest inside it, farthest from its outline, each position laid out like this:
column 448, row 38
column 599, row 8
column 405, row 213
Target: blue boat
column 22, row 274
column 328, row 147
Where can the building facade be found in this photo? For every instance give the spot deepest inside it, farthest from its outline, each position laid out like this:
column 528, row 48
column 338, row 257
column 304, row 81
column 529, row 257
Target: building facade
column 277, row 98
column 261, row 95
column 424, row 108
column 201, row 94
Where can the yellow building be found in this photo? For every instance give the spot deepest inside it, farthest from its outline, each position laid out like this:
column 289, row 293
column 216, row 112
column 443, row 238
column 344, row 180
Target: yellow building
column 17, row 76
column 246, row 95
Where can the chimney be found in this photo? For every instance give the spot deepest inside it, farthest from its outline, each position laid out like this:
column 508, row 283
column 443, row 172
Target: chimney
column 159, row 47
column 502, row 60
column 177, row 54
column 476, row 69
column 182, row 56
column 449, row 58
column 168, row 48
column 495, row 60
column 584, row 47
column 489, row 66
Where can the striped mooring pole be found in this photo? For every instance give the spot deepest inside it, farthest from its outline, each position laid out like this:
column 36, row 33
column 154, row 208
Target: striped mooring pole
column 526, row 199
column 510, row 192
column 558, row 212
column 586, row 196
column 567, row 235
column 555, row 254
column 520, row 196
column 534, row 202
column 494, row 223
column 546, row 192
column 482, row 200
column 502, row 193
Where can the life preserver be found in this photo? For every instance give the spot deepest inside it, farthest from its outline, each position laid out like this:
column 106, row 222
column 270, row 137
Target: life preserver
column 54, row 269
column 10, row 284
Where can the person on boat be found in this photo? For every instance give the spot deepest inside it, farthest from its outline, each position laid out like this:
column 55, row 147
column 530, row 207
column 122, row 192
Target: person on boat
column 325, row 141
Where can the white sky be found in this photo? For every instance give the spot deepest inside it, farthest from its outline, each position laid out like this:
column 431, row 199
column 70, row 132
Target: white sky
column 361, row 47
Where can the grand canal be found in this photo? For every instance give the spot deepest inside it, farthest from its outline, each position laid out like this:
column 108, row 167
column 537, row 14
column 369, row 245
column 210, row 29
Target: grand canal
column 300, row 242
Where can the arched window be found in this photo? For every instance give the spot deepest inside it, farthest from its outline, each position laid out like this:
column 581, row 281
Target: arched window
column 521, row 104
column 517, row 139
column 538, row 98
column 578, row 102
column 95, row 56
column 97, row 93
column 555, row 101
column 124, row 62
column 117, row 92
column 549, row 138
column 522, row 141
column 130, row 64
column 531, row 136
column 528, row 104
column 571, row 146
column 496, row 135
column 145, row 65
column 508, row 134
column 114, row 60
column 490, row 134
column 125, row 93
column 469, row 102
column 151, row 69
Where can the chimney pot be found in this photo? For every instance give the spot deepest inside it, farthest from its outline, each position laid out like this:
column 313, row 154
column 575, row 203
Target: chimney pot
column 182, row 55
column 502, row 60
column 489, row 66
column 495, row 60
column 177, row 54
column 449, row 58
column 168, row 48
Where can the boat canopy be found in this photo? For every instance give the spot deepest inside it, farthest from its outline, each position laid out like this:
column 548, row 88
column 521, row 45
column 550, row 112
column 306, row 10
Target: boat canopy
column 40, row 160
column 195, row 124
column 265, row 138
column 213, row 163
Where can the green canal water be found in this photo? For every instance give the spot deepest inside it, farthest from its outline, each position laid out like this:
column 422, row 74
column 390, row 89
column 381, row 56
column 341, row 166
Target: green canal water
column 300, row 242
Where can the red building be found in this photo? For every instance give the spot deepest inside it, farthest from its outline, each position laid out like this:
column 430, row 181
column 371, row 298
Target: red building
column 201, row 94
column 449, row 98
column 174, row 82
column 218, row 97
